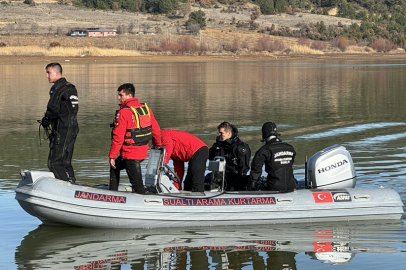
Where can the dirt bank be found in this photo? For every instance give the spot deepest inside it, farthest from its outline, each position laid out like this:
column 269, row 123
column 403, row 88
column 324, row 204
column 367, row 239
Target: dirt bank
column 204, row 58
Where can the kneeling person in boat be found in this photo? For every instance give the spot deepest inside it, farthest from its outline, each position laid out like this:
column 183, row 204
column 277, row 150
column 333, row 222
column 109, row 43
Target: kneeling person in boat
column 184, row 147
column 134, row 126
column 237, row 155
column 278, row 157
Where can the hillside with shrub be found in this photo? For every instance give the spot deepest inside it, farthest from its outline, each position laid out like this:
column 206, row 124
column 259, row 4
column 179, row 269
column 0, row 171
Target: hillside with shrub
column 225, row 26
column 378, row 18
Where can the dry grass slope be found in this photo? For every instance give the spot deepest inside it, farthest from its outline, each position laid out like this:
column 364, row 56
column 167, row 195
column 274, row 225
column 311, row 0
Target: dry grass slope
column 33, row 50
column 34, row 28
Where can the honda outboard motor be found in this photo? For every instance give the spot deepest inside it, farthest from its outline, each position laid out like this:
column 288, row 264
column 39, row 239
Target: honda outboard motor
column 331, row 168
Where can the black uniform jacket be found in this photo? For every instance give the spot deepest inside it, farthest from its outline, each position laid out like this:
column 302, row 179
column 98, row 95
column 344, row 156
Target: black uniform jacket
column 63, row 106
column 236, row 153
column 278, row 158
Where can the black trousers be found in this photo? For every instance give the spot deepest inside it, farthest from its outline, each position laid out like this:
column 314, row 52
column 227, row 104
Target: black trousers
column 61, row 146
column 133, row 168
column 194, row 180
column 236, row 182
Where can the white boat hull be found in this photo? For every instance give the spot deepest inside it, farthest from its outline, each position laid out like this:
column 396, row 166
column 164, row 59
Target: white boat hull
column 58, row 202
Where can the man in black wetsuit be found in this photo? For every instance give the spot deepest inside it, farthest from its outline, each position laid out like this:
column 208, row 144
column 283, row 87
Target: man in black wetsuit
column 61, row 115
column 278, row 157
column 237, row 155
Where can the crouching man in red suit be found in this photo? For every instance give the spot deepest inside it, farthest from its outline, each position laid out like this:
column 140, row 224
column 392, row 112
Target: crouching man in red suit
column 184, row 147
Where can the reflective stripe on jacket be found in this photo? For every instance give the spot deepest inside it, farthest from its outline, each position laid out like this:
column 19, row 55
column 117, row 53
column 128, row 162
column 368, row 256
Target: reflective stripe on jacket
column 124, row 120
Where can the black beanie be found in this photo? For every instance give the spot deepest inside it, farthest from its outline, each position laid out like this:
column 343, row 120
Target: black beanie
column 268, row 129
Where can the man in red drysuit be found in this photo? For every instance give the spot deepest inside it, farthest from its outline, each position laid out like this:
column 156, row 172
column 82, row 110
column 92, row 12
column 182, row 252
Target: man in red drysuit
column 185, row 147
column 133, row 128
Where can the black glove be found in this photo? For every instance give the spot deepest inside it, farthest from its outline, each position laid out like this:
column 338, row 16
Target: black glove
column 46, row 121
column 252, row 185
column 218, row 177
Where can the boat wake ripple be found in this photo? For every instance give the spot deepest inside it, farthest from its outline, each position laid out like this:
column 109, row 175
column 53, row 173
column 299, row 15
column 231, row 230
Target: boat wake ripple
column 347, row 130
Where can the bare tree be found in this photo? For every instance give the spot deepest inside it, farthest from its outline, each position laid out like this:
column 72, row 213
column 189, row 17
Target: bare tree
column 60, row 31
column 158, row 30
column 184, row 9
column 19, row 26
column 11, row 27
column 235, row 46
column 34, row 28
column 131, row 27
column 255, row 13
column 194, row 28
column 51, row 29
column 114, row 6
column 121, row 29
column 145, row 27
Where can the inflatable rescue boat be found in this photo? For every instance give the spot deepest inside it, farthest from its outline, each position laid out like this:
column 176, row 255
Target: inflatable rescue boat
column 327, row 194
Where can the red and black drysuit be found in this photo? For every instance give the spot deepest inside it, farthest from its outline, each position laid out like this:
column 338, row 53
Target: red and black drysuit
column 61, row 114
column 131, row 152
column 184, row 147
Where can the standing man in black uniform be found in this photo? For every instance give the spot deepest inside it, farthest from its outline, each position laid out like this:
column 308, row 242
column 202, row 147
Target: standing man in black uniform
column 237, row 155
column 278, row 157
column 61, row 115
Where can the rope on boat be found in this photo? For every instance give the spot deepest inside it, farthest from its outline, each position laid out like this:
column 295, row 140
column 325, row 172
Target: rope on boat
column 47, row 132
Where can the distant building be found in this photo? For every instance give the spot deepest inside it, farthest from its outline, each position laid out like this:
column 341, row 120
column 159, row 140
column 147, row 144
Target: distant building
column 92, row 32
column 97, row 32
column 78, row 32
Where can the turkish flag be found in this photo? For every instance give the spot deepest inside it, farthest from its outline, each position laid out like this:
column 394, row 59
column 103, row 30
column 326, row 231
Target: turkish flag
column 322, row 197
column 322, row 246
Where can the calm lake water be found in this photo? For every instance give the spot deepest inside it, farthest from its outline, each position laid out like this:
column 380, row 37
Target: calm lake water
column 316, row 104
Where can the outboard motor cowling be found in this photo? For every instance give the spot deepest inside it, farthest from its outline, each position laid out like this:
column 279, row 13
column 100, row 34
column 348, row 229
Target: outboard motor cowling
column 158, row 175
column 331, row 168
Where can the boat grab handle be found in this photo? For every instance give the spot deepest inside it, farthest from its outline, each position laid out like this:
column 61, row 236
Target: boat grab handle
column 284, row 200
column 362, row 197
column 153, row 201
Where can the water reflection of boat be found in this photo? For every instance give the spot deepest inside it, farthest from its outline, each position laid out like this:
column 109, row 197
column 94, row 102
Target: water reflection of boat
column 227, row 247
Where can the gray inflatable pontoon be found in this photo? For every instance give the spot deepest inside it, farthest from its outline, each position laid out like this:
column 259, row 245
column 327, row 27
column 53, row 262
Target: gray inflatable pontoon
column 329, row 195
